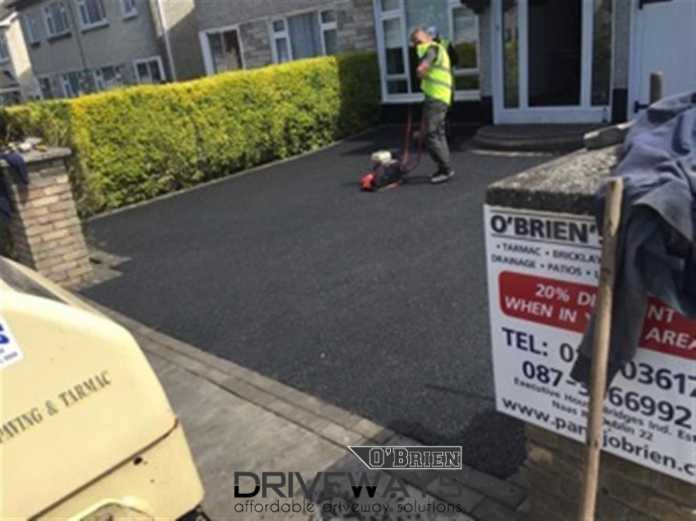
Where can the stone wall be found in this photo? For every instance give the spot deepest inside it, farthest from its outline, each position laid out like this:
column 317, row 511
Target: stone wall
column 355, row 27
column 627, row 492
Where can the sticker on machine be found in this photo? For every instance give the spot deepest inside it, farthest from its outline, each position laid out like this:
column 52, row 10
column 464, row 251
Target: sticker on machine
column 10, row 353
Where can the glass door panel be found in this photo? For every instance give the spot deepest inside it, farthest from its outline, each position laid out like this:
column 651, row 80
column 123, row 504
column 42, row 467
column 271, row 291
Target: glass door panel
column 555, row 52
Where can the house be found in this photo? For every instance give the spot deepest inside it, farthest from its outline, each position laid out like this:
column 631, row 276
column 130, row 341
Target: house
column 545, row 61
column 17, row 82
column 252, row 33
column 519, row 61
column 81, row 46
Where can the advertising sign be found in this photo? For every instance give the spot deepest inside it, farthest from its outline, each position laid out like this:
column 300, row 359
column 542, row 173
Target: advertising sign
column 543, row 270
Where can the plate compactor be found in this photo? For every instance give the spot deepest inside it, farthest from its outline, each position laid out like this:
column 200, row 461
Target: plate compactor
column 390, row 168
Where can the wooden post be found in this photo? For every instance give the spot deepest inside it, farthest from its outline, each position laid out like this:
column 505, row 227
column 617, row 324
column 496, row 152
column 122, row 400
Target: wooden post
column 600, row 355
column 657, row 81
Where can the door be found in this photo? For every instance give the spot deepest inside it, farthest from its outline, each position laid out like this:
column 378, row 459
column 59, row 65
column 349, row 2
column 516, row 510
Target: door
column 665, row 41
column 552, row 60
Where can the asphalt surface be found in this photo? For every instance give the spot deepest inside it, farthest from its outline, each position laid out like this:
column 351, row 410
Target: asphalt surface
column 374, row 302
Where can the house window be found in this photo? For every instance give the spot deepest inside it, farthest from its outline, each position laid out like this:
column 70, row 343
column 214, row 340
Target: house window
column 10, row 97
column 149, row 70
column 225, row 50
column 329, row 31
column 304, row 36
column 46, row 88
column 465, row 31
column 281, row 45
column 73, row 84
column 4, row 51
column 92, row 13
column 129, row 8
column 107, row 78
column 56, row 18
column 32, row 28
column 398, row 60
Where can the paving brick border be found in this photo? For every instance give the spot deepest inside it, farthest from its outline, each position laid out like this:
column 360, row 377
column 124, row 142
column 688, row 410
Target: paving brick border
column 484, row 497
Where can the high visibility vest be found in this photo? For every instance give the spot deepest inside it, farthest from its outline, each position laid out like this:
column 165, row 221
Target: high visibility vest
column 437, row 82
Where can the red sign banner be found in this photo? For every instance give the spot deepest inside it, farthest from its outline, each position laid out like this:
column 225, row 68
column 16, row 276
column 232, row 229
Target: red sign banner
column 569, row 305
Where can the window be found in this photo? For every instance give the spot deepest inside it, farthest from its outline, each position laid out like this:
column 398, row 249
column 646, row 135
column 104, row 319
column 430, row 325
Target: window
column 398, row 61
column 225, row 51
column 149, row 70
column 10, row 97
column 465, row 31
column 32, row 28
column 107, row 78
column 4, row 51
column 56, row 19
column 46, row 88
column 73, row 84
column 329, row 32
column 304, row 36
column 129, row 8
column 281, row 46
column 92, row 13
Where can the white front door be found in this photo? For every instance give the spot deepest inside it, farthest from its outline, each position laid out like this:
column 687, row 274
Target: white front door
column 552, row 60
column 665, row 41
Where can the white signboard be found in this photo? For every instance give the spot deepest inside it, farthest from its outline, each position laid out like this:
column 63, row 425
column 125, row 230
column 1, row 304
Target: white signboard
column 543, row 270
column 10, row 352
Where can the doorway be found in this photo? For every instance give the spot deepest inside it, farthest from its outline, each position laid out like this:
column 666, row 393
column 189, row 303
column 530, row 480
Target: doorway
column 550, row 63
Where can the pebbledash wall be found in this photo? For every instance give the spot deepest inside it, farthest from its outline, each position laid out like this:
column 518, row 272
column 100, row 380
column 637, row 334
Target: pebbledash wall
column 354, row 24
column 627, row 491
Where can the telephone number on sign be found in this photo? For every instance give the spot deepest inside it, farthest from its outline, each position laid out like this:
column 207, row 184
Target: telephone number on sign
column 631, row 401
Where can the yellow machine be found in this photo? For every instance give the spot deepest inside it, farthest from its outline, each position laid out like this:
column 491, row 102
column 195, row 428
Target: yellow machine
column 86, row 431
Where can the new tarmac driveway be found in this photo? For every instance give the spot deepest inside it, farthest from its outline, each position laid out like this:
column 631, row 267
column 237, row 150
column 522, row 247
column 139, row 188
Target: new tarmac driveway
column 374, row 302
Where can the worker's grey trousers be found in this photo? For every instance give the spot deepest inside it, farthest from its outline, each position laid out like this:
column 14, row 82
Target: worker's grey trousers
column 435, row 113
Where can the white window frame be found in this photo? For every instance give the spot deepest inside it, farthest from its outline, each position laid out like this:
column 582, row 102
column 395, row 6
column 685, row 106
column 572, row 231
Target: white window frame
column 280, row 35
column 39, row 79
column 469, row 94
column 326, row 26
column 207, row 51
column 4, row 45
column 86, row 25
column 99, row 78
column 129, row 13
column 411, row 97
column 381, row 17
column 158, row 59
column 28, row 22
column 285, row 33
column 65, row 84
column 64, row 13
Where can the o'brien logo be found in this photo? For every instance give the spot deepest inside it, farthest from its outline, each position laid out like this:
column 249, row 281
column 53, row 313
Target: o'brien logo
column 409, row 457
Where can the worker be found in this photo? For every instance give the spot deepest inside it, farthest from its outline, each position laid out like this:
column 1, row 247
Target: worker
column 435, row 73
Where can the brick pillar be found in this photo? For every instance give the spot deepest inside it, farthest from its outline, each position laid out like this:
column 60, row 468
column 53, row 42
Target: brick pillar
column 627, row 492
column 45, row 228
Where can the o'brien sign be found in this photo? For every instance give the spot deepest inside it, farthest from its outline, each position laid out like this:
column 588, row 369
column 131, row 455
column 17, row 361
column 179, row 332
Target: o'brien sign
column 409, row 457
column 542, row 279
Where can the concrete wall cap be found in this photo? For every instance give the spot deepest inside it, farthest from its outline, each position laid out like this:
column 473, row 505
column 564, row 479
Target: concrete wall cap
column 36, row 156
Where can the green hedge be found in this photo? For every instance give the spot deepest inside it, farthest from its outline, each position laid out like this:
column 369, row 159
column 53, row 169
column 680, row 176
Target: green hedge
column 134, row 144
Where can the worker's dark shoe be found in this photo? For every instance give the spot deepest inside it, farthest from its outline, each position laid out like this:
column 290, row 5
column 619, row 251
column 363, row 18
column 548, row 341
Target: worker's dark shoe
column 441, row 177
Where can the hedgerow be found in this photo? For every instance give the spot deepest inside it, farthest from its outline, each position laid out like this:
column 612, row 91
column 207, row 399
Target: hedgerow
column 133, row 144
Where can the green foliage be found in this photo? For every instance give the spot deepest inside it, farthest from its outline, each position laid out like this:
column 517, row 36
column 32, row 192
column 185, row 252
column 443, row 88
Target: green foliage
column 133, row 144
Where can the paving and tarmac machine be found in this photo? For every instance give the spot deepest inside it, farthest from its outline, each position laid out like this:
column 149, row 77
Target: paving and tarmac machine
column 86, row 431
column 390, row 168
